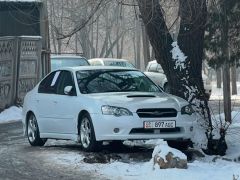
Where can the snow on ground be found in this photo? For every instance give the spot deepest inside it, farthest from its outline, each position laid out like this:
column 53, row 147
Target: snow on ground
column 201, row 169
column 209, row 167
column 11, row 114
column 217, row 93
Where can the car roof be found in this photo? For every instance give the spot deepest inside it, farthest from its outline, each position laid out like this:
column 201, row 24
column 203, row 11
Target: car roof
column 66, row 56
column 78, row 68
column 108, row 59
column 152, row 62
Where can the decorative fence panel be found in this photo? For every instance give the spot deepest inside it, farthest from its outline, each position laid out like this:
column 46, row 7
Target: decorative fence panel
column 19, row 67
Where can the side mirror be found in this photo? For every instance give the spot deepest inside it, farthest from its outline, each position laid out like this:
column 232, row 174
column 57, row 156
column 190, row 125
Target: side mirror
column 68, row 90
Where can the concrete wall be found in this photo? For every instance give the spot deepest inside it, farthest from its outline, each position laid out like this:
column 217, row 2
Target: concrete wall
column 20, row 67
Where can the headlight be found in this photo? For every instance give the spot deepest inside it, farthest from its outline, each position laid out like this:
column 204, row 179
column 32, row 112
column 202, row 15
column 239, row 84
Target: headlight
column 116, row 111
column 187, row 110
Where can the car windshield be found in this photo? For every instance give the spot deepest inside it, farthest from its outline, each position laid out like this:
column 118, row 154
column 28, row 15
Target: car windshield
column 101, row 81
column 118, row 63
column 57, row 63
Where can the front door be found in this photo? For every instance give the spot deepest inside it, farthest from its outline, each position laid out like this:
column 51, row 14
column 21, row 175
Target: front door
column 64, row 111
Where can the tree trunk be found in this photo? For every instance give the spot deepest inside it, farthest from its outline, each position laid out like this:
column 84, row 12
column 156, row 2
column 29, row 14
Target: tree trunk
column 153, row 55
column 97, row 34
column 226, row 56
column 219, row 77
column 138, row 45
column 146, row 50
column 234, row 79
column 182, row 81
column 76, row 43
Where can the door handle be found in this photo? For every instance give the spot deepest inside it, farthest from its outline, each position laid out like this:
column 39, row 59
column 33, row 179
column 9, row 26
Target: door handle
column 37, row 100
column 55, row 102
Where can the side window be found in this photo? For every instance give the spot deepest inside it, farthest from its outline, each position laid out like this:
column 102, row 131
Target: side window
column 48, row 85
column 65, row 79
column 153, row 67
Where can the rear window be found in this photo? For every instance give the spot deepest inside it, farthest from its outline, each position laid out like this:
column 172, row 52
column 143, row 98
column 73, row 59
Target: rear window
column 118, row 63
column 57, row 63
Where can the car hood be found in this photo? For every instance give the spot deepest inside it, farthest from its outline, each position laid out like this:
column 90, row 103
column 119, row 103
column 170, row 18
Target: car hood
column 139, row 100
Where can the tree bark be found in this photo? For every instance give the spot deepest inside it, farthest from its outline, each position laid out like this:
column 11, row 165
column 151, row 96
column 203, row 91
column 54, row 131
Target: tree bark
column 146, row 50
column 191, row 31
column 234, row 79
column 226, row 67
column 138, row 44
column 219, row 77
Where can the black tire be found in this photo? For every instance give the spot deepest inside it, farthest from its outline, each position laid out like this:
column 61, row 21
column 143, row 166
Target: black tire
column 87, row 135
column 33, row 134
column 180, row 144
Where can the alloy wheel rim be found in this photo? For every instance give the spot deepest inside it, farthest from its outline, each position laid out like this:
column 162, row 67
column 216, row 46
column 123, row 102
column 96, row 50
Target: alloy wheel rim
column 32, row 129
column 85, row 133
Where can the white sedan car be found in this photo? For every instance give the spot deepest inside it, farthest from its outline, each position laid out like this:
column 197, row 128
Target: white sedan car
column 94, row 104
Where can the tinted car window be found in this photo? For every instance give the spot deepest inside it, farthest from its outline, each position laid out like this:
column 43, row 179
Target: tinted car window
column 100, row 81
column 48, row 85
column 65, row 79
column 57, row 63
column 118, row 63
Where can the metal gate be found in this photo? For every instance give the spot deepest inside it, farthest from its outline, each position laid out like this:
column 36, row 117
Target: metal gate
column 19, row 68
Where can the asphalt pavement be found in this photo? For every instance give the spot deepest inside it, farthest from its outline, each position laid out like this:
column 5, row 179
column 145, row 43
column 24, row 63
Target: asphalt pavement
column 20, row 161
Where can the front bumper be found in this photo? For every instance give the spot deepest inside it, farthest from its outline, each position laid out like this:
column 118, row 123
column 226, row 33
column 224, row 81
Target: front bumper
column 131, row 127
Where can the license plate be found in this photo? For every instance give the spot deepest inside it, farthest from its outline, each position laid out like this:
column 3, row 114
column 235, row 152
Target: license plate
column 159, row 124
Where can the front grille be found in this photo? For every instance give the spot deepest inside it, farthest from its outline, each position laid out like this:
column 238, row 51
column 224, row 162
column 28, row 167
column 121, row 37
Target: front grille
column 157, row 112
column 151, row 131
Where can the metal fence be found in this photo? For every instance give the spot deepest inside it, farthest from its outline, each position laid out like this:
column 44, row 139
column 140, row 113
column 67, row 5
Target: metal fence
column 20, row 66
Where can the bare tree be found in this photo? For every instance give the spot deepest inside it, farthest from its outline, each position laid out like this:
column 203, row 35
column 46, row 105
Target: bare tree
column 181, row 60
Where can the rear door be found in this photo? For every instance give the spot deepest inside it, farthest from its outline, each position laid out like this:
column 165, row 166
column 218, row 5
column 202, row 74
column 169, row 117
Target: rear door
column 45, row 102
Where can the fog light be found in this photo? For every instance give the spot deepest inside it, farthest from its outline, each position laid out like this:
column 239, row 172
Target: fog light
column 191, row 128
column 116, row 130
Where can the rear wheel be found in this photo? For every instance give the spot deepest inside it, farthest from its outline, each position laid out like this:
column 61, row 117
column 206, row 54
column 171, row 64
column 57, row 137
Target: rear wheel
column 87, row 135
column 33, row 132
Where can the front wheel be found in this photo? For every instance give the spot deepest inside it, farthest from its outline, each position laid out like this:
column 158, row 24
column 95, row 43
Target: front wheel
column 87, row 135
column 33, row 132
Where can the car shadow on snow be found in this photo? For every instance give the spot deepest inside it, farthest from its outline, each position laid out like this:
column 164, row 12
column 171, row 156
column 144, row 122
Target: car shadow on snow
column 126, row 152
column 108, row 153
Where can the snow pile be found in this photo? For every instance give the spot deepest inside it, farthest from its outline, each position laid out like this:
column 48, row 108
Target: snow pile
column 199, row 137
column 218, row 121
column 162, row 149
column 164, row 157
column 178, row 56
column 11, row 114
